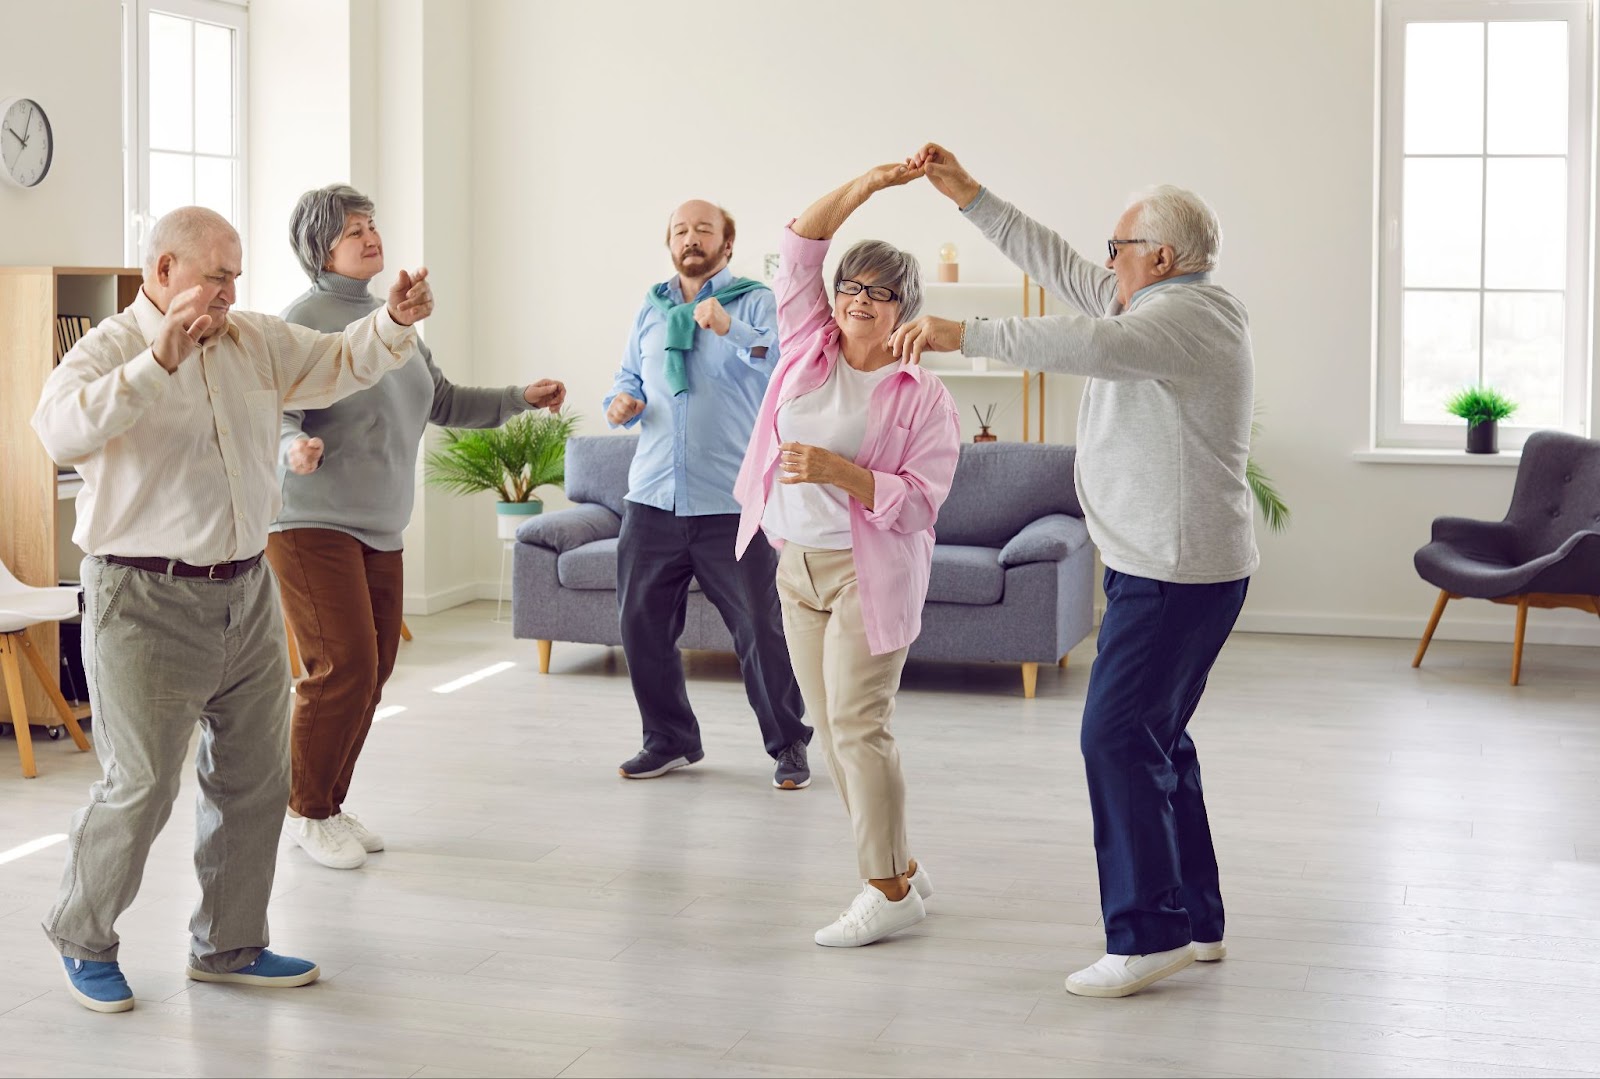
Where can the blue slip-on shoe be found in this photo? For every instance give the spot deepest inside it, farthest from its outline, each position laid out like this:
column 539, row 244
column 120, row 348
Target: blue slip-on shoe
column 100, row 987
column 273, row 971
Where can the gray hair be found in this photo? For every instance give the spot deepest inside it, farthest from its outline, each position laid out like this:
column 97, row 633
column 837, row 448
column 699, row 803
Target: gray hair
column 318, row 221
column 183, row 232
column 887, row 265
column 1182, row 221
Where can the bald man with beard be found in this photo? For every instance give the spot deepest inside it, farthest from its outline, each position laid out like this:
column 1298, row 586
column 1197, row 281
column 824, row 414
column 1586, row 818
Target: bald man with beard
column 693, row 374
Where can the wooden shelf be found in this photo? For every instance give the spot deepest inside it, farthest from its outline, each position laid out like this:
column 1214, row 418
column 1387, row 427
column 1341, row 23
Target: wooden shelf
column 31, row 535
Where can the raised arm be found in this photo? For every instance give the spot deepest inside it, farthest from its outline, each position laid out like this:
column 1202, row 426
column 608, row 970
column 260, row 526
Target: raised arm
column 1032, row 248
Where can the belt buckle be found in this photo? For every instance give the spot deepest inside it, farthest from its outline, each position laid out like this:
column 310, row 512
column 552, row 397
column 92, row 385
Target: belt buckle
column 211, row 573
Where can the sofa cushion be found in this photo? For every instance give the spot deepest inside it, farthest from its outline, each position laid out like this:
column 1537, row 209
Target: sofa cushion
column 570, row 528
column 1000, row 486
column 590, row 567
column 597, row 469
column 970, row 575
column 1049, row 539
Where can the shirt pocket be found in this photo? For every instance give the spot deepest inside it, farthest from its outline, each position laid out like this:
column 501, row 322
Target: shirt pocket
column 891, row 453
column 264, row 416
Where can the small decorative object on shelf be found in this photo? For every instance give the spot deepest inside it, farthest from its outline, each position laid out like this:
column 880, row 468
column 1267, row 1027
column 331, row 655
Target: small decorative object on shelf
column 984, row 420
column 949, row 268
column 1483, row 408
column 769, row 265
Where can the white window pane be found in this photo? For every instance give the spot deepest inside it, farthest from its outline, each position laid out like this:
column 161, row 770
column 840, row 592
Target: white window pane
column 1528, row 88
column 213, row 89
column 1444, row 88
column 213, row 185
column 171, row 182
column 171, row 83
column 1524, row 353
column 1526, row 223
column 1440, row 352
column 1442, row 215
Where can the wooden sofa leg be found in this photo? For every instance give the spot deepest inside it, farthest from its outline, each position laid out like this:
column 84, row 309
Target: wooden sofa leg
column 1063, row 663
column 1433, row 624
column 1030, row 679
column 1516, row 648
column 544, row 656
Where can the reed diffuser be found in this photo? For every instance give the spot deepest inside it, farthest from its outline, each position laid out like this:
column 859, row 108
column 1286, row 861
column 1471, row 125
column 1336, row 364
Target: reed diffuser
column 984, row 420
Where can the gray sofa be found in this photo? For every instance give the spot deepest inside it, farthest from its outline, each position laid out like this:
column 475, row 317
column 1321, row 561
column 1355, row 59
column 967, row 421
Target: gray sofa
column 1013, row 568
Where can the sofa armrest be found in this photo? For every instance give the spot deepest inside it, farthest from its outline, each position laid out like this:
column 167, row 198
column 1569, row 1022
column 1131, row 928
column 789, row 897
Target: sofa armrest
column 1049, row 539
column 572, row 527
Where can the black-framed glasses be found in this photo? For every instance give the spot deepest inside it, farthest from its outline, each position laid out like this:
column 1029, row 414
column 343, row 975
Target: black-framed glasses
column 848, row 287
column 1112, row 245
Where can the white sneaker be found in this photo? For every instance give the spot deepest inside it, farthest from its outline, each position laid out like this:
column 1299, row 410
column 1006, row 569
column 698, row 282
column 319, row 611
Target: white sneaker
column 1122, row 975
column 370, row 841
column 872, row 917
column 327, row 841
column 1209, row 951
column 922, row 883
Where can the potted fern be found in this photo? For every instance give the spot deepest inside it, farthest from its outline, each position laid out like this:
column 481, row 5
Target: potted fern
column 514, row 461
column 1483, row 408
column 1274, row 511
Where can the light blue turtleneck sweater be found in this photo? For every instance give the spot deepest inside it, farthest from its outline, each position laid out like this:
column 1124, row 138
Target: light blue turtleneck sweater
column 366, row 482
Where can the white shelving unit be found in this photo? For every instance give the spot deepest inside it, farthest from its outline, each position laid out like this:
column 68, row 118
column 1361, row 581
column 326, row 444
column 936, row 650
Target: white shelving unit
column 971, row 299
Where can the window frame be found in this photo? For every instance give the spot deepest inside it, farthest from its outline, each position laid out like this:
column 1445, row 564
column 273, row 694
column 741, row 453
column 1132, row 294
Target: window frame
column 1389, row 429
column 232, row 14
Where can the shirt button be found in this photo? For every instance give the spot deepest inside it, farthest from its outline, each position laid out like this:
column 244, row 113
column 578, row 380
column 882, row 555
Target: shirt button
column 236, row 472
column 240, row 516
column 222, row 430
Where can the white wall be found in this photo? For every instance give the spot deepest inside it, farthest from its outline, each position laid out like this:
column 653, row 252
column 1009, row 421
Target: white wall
column 74, row 217
column 592, row 121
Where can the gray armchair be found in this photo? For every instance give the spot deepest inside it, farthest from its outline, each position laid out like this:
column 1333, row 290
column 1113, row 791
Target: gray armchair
column 1545, row 553
column 1013, row 568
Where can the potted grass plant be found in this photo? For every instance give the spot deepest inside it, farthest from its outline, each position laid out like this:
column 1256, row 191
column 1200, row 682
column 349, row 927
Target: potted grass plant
column 1483, row 408
column 514, row 461
column 1274, row 511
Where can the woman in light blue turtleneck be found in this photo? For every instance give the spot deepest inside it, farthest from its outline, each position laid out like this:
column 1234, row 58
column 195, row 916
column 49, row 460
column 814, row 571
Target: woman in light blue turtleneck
column 347, row 474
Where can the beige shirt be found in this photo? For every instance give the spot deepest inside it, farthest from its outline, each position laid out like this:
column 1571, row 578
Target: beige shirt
column 184, row 465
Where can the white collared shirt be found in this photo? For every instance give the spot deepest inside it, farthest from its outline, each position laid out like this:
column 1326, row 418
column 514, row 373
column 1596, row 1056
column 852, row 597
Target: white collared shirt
column 184, row 465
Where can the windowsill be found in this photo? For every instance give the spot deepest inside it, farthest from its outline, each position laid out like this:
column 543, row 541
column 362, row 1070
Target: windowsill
column 1503, row 459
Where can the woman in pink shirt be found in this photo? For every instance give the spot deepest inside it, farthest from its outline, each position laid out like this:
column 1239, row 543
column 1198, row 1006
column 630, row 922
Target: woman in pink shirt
column 851, row 457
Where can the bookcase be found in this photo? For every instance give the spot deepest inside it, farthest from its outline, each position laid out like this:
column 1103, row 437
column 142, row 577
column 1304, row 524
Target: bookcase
column 36, row 508
column 963, row 300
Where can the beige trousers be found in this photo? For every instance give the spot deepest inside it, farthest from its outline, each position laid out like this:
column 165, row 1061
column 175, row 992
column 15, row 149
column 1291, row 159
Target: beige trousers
column 849, row 695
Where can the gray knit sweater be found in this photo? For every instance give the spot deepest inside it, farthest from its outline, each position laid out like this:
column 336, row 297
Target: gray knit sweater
column 370, row 439
column 1164, row 428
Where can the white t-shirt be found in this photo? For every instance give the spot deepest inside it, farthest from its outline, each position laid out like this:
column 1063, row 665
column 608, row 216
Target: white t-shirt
column 833, row 417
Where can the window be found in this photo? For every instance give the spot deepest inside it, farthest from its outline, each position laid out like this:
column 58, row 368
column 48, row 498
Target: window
column 1484, row 214
column 183, row 131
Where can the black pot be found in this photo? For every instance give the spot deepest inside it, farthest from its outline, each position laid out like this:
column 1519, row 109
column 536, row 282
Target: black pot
column 1483, row 438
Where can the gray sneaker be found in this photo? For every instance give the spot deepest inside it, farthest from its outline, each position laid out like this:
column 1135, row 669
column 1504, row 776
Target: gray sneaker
column 792, row 773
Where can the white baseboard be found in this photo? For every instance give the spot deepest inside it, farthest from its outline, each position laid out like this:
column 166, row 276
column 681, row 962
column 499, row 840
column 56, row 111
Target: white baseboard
column 1457, row 624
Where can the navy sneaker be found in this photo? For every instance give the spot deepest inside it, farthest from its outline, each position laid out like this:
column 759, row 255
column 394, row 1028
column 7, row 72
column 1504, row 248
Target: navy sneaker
column 648, row 765
column 100, row 987
column 273, row 971
column 792, row 773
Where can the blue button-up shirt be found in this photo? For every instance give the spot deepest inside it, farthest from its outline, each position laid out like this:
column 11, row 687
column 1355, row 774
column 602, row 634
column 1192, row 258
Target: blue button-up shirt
column 691, row 445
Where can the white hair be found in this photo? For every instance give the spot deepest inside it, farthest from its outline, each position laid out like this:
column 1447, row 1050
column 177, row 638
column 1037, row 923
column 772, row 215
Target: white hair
column 184, row 232
column 1181, row 220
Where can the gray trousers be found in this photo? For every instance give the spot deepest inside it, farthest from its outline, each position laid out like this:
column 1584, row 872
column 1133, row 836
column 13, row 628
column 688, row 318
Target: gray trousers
column 161, row 653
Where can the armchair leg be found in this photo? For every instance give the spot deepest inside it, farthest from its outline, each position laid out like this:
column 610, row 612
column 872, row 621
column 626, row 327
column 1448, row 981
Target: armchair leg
column 1063, row 663
column 1516, row 648
column 1433, row 624
column 544, row 656
column 1030, row 679
column 19, row 705
column 53, row 691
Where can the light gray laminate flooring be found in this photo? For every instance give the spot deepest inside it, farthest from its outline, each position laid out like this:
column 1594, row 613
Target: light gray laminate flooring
column 1411, row 861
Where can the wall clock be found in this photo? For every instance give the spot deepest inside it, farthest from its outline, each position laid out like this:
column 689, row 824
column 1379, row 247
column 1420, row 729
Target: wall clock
column 27, row 144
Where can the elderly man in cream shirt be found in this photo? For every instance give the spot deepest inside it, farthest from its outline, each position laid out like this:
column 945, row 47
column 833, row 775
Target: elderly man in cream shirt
column 170, row 410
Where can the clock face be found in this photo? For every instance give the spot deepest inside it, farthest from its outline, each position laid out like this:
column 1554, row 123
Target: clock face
column 26, row 142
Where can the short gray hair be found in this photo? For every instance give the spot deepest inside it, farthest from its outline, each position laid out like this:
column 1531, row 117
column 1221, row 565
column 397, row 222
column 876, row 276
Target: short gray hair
column 183, row 232
column 887, row 265
column 1183, row 221
column 318, row 222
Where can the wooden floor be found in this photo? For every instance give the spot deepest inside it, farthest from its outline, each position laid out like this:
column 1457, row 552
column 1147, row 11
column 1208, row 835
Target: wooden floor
column 1411, row 861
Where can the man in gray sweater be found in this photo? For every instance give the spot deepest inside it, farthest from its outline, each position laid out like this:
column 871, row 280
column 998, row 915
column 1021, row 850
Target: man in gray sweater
column 1163, row 436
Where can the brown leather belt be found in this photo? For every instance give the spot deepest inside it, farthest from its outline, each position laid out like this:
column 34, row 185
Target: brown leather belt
column 222, row 571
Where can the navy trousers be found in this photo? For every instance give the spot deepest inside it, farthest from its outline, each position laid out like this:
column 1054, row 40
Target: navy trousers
column 657, row 554
column 1158, row 870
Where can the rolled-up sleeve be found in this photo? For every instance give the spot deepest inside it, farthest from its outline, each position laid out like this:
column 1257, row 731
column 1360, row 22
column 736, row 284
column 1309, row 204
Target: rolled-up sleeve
column 908, row 500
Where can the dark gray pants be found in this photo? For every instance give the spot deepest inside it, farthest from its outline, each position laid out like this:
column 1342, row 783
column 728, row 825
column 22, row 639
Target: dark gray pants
column 657, row 553
column 163, row 654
